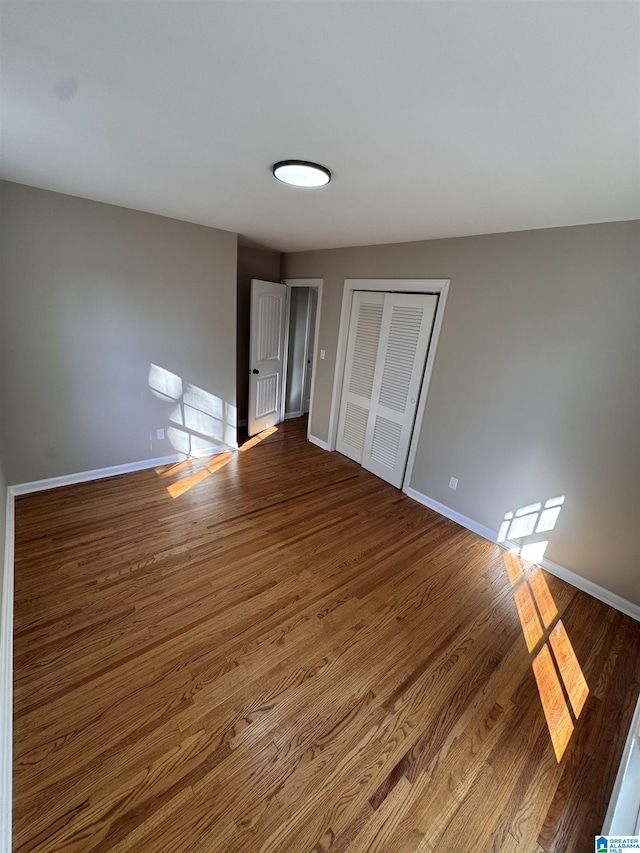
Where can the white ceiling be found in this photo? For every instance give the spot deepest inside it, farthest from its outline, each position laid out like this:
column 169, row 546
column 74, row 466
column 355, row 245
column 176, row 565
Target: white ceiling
column 438, row 119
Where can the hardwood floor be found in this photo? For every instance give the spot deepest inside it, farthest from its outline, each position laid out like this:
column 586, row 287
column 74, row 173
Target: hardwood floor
column 284, row 653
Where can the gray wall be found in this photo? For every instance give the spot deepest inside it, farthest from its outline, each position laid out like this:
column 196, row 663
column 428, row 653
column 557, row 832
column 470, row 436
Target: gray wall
column 92, row 296
column 534, row 392
column 252, row 263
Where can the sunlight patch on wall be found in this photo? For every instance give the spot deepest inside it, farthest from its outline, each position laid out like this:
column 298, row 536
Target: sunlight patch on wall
column 200, row 423
column 528, row 521
column 164, row 384
column 533, row 552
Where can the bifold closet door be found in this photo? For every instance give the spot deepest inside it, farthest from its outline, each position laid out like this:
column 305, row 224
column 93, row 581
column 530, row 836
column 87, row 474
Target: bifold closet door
column 359, row 372
column 405, row 333
column 387, row 346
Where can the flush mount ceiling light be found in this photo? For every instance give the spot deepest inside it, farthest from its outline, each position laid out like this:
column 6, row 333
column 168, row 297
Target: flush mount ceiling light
column 300, row 173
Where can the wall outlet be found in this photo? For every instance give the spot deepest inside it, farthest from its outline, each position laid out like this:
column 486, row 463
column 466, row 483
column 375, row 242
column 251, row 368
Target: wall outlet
column 453, row 483
column 160, row 434
column 322, row 353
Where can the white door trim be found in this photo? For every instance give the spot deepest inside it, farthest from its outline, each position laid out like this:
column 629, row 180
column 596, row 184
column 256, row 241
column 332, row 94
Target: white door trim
column 308, row 282
column 438, row 286
column 307, row 335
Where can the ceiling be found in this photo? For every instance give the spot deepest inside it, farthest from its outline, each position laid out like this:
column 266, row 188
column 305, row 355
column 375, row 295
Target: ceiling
column 438, row 119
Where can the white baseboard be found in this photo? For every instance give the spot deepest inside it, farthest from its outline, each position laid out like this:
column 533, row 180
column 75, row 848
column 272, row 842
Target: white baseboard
column 6, row 680
column 593, row 589
column 463, row 520
column 112, row 471
column 318, row 442
column 583, row 584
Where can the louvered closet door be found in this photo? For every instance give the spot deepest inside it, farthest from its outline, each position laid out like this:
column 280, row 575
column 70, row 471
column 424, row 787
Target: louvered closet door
column 360, row 367
column 402, row 350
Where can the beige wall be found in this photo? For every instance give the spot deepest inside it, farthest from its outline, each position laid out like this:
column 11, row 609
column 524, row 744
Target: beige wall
column 252, row 263
column 92, row 296
column 534, row 392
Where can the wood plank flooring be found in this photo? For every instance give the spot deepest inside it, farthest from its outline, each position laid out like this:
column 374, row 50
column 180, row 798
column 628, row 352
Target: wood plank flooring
column 277, row 651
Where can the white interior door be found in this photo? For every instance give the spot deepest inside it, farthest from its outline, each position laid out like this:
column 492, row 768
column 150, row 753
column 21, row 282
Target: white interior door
column 360, row 367
column 266, row 354
column 407, row 322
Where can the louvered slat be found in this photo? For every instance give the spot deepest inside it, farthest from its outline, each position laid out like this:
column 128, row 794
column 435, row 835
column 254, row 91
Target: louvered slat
column 365, row 349
column 400, row 357
column 386, row 439
column 355, row 426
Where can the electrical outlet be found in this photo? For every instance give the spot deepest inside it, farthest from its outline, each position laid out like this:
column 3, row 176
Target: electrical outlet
column 160, row 434
column 453, row 483
column 322, row 353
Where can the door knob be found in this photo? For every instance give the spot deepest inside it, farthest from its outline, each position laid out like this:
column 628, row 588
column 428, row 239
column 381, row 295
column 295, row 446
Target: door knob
column 255, row 371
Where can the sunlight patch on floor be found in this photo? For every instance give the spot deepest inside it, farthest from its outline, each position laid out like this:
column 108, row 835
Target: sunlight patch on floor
column 561, row 683
column 214, row 464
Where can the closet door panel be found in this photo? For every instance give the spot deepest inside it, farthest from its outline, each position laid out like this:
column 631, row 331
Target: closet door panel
column 405, row 332
column 360, row 368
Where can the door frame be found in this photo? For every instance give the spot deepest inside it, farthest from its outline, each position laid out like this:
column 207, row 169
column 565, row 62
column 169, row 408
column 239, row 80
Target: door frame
column 302, row 282
column 437, row 286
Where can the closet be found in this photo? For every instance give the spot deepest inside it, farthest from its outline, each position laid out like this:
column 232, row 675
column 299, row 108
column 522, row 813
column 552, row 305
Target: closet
column 387, row 345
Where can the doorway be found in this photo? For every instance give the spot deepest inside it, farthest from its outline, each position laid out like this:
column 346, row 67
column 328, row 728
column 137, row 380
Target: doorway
column 283, row 345
column 302, row 334
column 303, row 311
